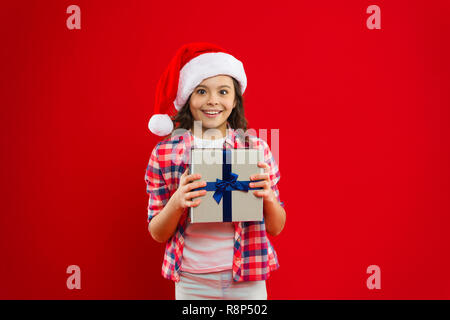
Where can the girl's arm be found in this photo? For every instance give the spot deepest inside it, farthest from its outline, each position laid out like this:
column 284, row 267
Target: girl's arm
column 274, row 214
column 163, row 225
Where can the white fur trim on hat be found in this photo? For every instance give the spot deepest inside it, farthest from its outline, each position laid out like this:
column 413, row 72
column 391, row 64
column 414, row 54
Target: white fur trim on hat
column 204, row 66
column 160, row 124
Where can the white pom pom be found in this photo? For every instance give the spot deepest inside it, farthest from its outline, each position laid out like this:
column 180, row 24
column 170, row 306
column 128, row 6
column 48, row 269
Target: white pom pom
column 160, row 124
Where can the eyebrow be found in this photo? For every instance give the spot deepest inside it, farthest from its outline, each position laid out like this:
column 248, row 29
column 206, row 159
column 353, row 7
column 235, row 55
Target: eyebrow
column 224, row 85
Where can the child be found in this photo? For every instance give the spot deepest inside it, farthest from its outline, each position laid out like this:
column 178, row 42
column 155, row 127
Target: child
column 224, row 260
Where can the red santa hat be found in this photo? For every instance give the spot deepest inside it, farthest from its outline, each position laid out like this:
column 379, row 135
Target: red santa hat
column 191, row 64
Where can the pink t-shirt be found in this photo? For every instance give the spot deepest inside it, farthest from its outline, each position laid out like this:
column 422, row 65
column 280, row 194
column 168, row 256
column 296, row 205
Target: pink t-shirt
column 208, row 247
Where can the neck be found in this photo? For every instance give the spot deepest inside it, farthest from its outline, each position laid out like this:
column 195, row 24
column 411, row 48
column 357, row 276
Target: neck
column 218, row 133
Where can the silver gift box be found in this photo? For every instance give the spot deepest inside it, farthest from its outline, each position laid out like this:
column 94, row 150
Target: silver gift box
column 208, row 162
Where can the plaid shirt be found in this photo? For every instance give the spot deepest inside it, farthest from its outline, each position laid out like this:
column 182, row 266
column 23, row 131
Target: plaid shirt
column 254, row 257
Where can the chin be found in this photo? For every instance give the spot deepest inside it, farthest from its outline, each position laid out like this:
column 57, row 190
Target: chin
column 213, row 126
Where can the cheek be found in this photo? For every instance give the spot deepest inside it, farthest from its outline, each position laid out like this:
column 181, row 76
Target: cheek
column 194, row 105
column 229, row 103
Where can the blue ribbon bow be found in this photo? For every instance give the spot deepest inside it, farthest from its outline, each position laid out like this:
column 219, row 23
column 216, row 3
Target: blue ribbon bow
column 228, row 185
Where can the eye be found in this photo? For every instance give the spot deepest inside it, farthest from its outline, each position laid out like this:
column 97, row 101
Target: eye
column 198, row 91
column 226, row 91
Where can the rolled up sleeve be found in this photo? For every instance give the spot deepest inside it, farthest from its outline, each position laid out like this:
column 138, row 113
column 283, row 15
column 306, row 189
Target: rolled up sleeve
column 156, row 185
column 274, row 173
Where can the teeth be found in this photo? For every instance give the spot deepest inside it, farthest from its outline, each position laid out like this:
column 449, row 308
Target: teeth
column 211, row 112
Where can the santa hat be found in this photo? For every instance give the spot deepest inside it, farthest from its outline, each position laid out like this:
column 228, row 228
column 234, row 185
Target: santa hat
column 191, row 64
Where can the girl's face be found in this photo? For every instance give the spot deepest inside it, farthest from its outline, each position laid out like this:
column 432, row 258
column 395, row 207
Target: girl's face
column 212, row 102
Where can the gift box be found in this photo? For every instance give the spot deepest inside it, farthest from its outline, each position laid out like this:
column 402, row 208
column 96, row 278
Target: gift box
column 227, row 174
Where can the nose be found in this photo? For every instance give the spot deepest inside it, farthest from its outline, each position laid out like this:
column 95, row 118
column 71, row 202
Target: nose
column 212, row 100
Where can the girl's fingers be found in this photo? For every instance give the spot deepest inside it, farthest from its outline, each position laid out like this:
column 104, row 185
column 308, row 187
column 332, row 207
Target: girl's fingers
column 262, row 176
column 263, row 184
column 263, row 165
column 192, row 204
column 259, row 193
column 192, row 177
column 195, row 194
column 184, row 175
column 194, row 185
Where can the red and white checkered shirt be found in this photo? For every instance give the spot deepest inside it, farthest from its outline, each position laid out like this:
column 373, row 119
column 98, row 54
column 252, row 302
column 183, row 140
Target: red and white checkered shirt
column 254, row 257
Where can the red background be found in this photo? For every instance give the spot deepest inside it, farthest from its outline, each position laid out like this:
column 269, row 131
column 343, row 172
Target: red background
column 364, row 142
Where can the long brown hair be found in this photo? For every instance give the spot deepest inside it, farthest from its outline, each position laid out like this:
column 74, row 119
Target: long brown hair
column 184, row 119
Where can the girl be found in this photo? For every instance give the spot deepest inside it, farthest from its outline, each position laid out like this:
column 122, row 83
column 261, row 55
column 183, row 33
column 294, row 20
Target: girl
column 226, row 260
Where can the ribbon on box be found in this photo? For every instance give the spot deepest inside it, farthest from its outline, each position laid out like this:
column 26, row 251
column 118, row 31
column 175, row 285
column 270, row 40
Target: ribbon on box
column 222, row 187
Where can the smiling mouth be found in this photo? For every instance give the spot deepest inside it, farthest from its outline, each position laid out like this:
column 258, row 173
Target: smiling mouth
column 211, row 113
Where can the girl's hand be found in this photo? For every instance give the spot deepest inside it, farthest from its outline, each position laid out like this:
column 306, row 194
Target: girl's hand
column 267, row 193
column 182, row 197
